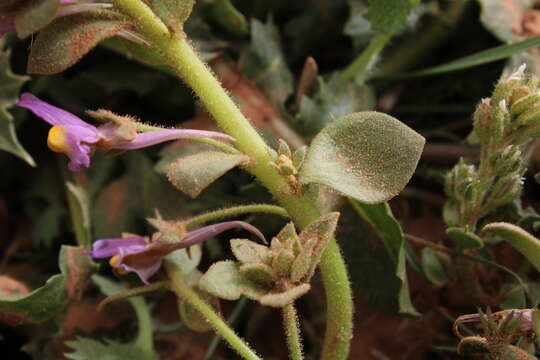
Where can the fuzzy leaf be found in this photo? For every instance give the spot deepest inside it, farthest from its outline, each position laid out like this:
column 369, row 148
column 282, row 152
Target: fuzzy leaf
column 223, row 279
column 303, row 263
column 37, row 15
column 191, row 317
column 386, row 16
column 322, row 230
column 261, row 274
column 194, row 173
column 367, row 156
column 63, row 43
column 50, row 299
column 282, row 262
column 173, row 12
column 265, row 63
column 10, row 85
column 389, row 231
column 525, row 243
column 283, row 298
column 247, row 251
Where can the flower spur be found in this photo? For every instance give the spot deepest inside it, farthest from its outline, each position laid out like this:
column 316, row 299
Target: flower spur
column 78, row 139
column 136, row 254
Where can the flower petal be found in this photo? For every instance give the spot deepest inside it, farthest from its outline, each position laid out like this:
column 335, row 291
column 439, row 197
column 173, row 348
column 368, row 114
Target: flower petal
column 79, row 139
column 51, row 114
column 207, row 232
column 103, row 248
column 159, row 136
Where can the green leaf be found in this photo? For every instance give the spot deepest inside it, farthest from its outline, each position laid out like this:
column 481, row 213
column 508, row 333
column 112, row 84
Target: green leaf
column 247, row 251
column 190, row 316
column 173, row 12
column 63, row 43
column 35, row 16
column 265, row 64
column 49, row 300
column 223, row 279
column 386, row 16
column 10, row 85
column 259, row 273
column 283, row 298
column 86, row 348
column 389, row 231
column 141, row 349
column 433, row 267
column 80, row 214
column 465, row 239
column 525, row 243
column 334, row 99
column 480, row 58
column 225, row 14
column 194, row 173
column 367, row 156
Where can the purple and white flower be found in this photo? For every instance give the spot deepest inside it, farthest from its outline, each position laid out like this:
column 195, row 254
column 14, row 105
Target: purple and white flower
column 136, row 254
column 78, row 139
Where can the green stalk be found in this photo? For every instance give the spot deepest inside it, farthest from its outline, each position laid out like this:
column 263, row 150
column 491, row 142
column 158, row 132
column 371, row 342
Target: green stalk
column 183, row 290
column 145, row 339
column 197, row 221
column 182, row 58
column 290, row 323
column 365, row 61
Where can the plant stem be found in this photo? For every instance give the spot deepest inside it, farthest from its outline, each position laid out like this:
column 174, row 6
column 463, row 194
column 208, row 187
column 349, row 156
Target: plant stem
column 197, row 221
column 359, row 68
column 231, row 321
column 182, row 58
column 183, row 290
column 290, row 323
column 145, row 338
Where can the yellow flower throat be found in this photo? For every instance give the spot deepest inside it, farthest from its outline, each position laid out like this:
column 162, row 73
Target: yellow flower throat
column 57, row 140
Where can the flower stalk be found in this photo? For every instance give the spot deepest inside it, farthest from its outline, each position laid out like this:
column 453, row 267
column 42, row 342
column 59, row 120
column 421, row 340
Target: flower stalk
column 180, row 55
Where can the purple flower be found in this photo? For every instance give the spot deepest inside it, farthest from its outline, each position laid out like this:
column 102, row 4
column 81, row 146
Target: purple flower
column 136, row 254
column 78, row 139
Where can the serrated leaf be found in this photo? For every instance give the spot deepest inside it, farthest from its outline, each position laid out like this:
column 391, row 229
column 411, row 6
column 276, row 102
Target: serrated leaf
column 63, row 43
column 367, row 156
column 265, row 64
column 283, row 298
column 50, row 299
column 522, row 241
column 173, row 12
column 194, row 173
column 10, row 86
column 223, row 279
column 386, row 16
column 35, row 16
column 389, row 231
column 334, row 99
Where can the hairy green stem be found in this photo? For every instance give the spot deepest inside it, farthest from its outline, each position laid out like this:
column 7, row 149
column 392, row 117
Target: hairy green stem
column 290, row 323
column 179, row 286
column 197, row 221
column 128, row 293
column 231, row 320
column 182, row 58
column 360, row 67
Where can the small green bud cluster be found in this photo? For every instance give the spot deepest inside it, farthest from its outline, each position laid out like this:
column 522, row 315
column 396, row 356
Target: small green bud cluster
column 502, row 124
column 287, row 163
column 512, row 115
column 274, row 275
